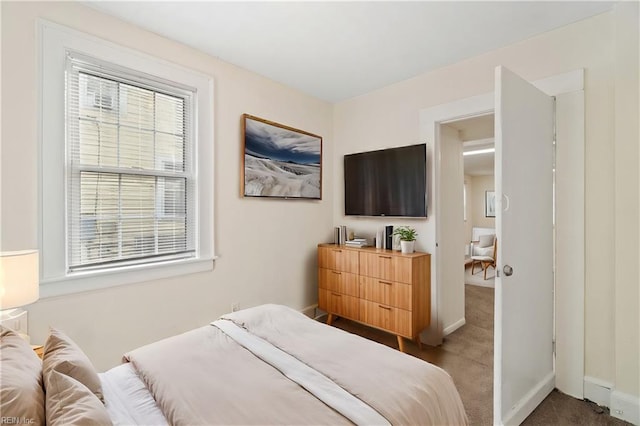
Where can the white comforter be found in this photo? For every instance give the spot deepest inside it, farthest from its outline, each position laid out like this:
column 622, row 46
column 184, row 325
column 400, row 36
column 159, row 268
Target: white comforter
column 205, row 377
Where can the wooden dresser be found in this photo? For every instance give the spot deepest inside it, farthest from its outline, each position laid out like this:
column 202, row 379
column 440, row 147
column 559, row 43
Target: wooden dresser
column 381, row 288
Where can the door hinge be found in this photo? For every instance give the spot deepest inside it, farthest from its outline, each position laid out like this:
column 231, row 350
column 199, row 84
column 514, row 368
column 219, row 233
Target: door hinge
column 553, row 345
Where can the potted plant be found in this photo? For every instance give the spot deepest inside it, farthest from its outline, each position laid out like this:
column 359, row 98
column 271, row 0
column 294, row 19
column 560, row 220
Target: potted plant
column 407, row 238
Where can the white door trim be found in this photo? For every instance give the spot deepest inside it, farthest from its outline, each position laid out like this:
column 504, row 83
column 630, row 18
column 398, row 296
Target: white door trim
column 571, row 322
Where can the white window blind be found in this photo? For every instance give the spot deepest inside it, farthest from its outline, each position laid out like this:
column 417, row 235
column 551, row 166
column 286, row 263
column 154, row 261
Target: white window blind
column 130, row 167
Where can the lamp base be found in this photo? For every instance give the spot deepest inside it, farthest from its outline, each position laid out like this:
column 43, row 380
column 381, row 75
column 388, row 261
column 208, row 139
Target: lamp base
column 17, row 320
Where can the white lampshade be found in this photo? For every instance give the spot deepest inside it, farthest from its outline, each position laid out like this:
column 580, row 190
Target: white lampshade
column 19, row 283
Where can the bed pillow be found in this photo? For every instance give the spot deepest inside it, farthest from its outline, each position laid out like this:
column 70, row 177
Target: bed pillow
column 64, row 356
column 485, row 240
column 21, row 393
column 69, row 402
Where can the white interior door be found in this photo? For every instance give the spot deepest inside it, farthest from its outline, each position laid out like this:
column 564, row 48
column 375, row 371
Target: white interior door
column 523, row 358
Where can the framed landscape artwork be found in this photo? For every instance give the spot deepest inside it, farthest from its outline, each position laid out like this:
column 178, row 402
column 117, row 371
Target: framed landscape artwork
column 280, row 161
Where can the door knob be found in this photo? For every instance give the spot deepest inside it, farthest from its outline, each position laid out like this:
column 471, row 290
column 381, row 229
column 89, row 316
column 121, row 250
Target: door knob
column 508, row 270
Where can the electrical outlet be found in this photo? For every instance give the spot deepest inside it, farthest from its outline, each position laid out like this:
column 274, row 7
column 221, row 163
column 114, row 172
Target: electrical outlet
column 19, row 322
column 235, row 307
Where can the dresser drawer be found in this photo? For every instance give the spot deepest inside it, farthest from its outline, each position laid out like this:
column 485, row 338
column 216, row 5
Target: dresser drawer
column 339, row 282
column 338, row 259
column 395, row 320
column 339, row 304
column 386, row 266
column 389, row 293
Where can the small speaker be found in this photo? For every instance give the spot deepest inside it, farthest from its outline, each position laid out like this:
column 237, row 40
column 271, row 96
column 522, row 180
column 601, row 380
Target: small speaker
column 388, row 237
column 380, row 238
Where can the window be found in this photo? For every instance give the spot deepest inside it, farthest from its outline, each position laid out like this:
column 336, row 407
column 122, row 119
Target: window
column 126, row 168
column 130, row 180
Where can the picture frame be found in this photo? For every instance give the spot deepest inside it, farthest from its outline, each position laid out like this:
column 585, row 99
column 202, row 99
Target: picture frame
column 489, row 203
column 279, row 161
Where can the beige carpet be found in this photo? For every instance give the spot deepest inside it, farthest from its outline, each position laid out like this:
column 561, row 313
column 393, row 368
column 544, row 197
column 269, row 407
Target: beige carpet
column 477, row 278
column 467, row 355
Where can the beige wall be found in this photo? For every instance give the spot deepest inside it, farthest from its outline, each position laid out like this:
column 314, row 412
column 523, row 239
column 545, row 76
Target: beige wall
column 266, row 248
column 389, row 117
column 481, row 184
column 627, row 211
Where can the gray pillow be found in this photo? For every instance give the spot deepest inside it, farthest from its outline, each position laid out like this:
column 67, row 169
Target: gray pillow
column 485, row 240
column 63, row 355
column 21, row 393
column 69, row 402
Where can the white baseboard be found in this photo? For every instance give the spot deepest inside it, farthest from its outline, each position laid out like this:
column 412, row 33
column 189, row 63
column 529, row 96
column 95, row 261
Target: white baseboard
column 453, row 327
column 621, row 405
column 625, row 407
column 597, row 391
column 529, row 402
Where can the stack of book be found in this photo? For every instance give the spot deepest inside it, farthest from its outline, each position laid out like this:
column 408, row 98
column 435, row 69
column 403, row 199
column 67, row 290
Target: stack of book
column 356, row 242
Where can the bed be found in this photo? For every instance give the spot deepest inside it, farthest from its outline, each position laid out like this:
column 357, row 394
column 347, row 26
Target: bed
column 273, row 365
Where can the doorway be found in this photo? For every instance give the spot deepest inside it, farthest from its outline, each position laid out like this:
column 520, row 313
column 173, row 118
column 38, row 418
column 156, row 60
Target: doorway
column 467, row 176
column 568, row 227
column 478, row 154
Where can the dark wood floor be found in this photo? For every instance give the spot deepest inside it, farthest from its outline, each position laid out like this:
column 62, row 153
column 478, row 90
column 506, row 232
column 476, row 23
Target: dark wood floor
column 467, row 355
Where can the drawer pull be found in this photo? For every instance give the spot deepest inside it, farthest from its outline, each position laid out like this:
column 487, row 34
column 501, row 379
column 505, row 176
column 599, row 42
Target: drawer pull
column 337, row 251
column 385, row 307
column 385, row 282
column 337, row 273
column 336, row 294
column 384, row 257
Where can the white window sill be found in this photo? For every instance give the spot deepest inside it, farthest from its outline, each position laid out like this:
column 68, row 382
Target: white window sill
column 95, row 280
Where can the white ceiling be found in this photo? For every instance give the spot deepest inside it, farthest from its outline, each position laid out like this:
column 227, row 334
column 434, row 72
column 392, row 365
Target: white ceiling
column 336, row 50
column 476, row 133
column 479, row 165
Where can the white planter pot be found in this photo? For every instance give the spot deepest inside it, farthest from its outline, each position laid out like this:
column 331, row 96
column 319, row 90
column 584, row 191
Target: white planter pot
column 396, row 242
column 407, row 246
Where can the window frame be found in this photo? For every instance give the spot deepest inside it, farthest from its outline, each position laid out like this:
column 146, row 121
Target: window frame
column 55, row 43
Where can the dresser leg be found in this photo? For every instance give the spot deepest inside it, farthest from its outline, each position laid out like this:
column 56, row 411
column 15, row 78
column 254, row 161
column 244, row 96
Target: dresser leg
column 400, row 343
column 330, row 319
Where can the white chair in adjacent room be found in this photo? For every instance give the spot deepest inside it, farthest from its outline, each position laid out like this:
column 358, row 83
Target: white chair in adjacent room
column 484, row 253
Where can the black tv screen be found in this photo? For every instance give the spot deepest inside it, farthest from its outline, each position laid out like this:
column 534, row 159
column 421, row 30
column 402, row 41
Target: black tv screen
column 388, row 182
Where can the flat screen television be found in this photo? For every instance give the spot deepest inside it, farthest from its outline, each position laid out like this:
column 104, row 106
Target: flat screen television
column 387, row 182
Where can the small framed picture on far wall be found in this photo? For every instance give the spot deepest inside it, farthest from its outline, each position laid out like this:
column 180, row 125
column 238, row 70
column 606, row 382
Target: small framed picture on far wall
column 489, row 203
